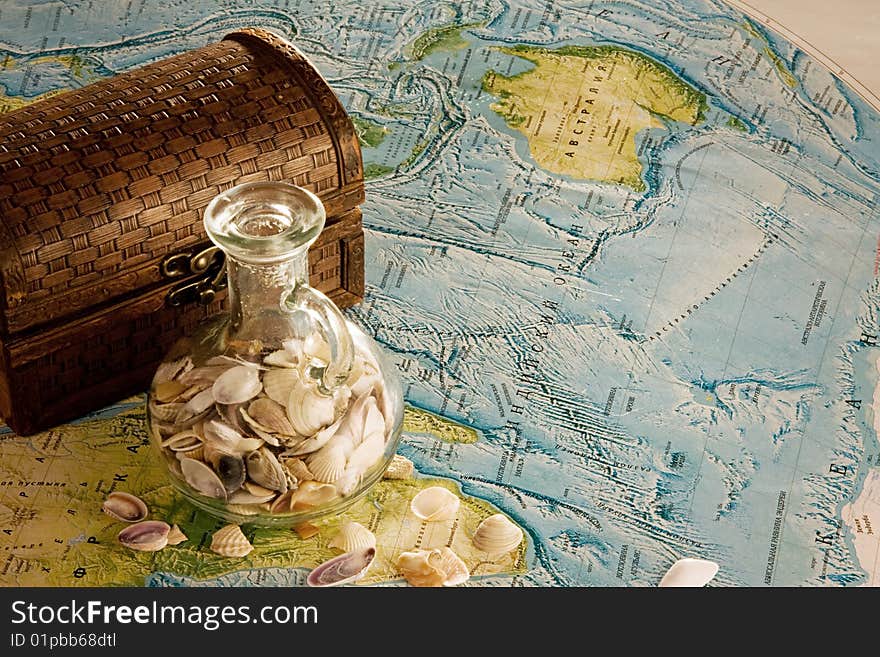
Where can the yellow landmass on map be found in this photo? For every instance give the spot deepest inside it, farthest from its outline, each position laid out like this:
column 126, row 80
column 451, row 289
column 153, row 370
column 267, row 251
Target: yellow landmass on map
column 53, row 533
column 416, row 420
column 581, row 107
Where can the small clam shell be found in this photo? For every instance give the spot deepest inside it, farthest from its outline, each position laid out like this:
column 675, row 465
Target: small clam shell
column 328, row 464
column 254, row 426
column 168, row 391
column 271, row 416
column 308, row 410
column 690, row 573
column 309, row 445
column 497, row 535
column 231, row 415
column 264, row 469
column 281, row 358
column 183, row 441
column 399, row 468
column 243, row 496
column 227, row 439
column 146, row 536
column 202, row 478
column 200, row 402
column 311, row 494
column 353, row 536
column 175, row 536
column 231, row 542
column 455, row 571
column 278, row 383
column 237, row 385
column 298, row 469
column 420, row 569
column 231, row 470
column 434, row 504
column 125, row 507
column 344, row 569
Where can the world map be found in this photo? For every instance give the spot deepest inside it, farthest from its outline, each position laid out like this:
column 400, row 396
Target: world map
column 624, row 255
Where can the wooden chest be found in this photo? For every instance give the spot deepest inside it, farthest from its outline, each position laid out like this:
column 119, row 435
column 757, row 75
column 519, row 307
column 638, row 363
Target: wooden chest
column 103, row 260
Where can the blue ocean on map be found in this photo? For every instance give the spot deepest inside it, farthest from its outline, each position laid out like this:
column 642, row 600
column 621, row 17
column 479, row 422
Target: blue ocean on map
column 683, row 368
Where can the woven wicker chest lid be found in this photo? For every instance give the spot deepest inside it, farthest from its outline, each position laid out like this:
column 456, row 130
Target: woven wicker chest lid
column 100, row 184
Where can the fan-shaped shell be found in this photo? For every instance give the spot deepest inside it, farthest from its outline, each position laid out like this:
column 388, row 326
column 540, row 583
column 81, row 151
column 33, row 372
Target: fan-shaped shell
column 399, row 468
column 229, row 541
column 328, row 464
column 353, row 536
column 202, row 478
column 690, row 573
column 176, row 536
column 344, row 569
column 309, row 411
column 434, row 504
column 497, row 535
column 146, row 536
column 125, row 507
column 264, row 469
column 243, row 496
column 270, row 416
column 278, row 383
column 198, row 454
column 236, row 385
column 311, row 494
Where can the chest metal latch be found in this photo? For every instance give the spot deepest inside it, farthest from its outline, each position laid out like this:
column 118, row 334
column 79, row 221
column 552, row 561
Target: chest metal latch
column 205, row 269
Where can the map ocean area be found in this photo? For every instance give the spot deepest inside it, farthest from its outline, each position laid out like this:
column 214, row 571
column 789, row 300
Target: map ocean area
column 661, row 346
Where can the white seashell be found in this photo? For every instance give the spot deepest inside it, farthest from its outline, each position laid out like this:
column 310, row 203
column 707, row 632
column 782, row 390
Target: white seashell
column 328, row 464
column 399, row 468
column 200, row 402
column 455, row 571
column 309, row 411
column 172, row 369
column 363, row 378
column 146, row 536
column 434, row 504
column 278, row 383
column 311, row 494
column 689, row 573
column 125, row 507
column 497, row 535
column 176, row 536
column 344, row 569
column 237, row 385
column 264, row 469
column 270, row 416
column 419, row 569
column 243, row 496
column 228, row 440
column 202, row 478
column 309, row 445
column 281, row 358
column 374, row 423
column 348, row 482
column 298, row 469
column 231, row 542
column 183, row 441
column 353, row 536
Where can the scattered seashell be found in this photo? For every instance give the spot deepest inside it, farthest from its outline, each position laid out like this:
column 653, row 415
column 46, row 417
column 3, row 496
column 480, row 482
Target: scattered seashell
column 399, row 468
column 168, row 391
column 190, row 392
column 308, row 410
column 278, row 383
column 270, row 416
column 309, row 445
column 264, row 469
column 125, row 507
column 344, row 569
column 202, row 478
column 183, row 441
column 236, row 385
column 353, row 536
column 419, row 569
column 368, row 452
column 311, row 494
column 455, row 570
column 328, row 464
column 305, row 530
column 146, row 536
column 497, row 535
column 689, row 573
column 281, row 358
column 175, row 536
column 230, row 542
column 434, row 504
column 231, row 470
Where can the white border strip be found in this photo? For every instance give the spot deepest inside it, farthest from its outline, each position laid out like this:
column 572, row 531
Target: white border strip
column 869, row 96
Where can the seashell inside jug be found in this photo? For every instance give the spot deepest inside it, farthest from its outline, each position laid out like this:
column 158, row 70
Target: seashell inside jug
column 283, row 410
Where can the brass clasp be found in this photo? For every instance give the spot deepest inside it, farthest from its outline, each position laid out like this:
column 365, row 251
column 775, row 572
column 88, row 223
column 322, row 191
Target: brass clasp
column 206, row 262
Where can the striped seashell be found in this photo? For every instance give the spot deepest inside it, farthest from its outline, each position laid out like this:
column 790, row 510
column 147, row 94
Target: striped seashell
column 497, row 535
column 353, row 536
column 278, row 383
column 327, row 464
column 231, row 542
column 399, row 468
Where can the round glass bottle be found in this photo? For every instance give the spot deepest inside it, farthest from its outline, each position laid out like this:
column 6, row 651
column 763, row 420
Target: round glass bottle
column 282, row 410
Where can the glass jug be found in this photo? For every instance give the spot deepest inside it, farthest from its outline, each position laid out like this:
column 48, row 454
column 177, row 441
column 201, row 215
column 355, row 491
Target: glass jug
column 283, row 410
